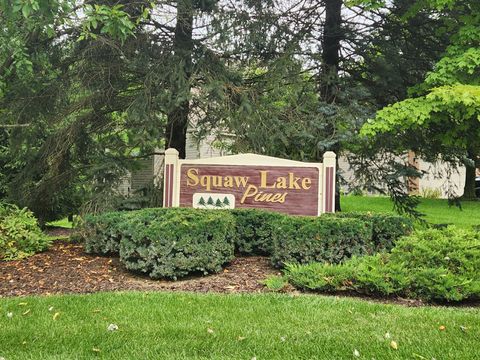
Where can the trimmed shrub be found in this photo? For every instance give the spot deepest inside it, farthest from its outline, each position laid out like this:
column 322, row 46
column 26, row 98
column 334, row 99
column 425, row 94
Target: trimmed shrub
column 386, row 228
column 171, row 243
column 433, row 265
column 20, row 235
column 325, row 239
column 102, row 233
column 254, row 231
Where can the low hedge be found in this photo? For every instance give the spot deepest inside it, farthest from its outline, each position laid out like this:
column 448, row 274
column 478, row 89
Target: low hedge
column 149, row 233
column 170, row 243
column 326, row 239
column 20, row 235
column 254, row 231
column 434, row 265
column 386, row 228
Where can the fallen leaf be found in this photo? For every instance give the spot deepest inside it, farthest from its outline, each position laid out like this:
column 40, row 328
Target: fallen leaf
column 56, row 315
column 96, row 350
column 387, row 335
column 356, row 353
column 210, row 331
column 24, row 343
column 50, row 308
column 394, row 345
column 9, row 315
column 22, row 304
column 442, row 328
column 463, row 328
column 26, row 312
column 241, row 338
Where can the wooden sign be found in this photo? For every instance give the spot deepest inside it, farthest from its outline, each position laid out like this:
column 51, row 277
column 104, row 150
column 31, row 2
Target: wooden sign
column 250, row 181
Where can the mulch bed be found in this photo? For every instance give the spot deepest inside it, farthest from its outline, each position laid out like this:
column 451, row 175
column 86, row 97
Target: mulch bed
column 66, row 268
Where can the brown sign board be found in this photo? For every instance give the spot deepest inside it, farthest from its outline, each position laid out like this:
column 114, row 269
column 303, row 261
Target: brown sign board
column 250, row 181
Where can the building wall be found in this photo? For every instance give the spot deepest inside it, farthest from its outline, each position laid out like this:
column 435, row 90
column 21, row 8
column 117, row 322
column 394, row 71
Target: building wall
column 142, row 177
column 202, row 149
column 439, row 176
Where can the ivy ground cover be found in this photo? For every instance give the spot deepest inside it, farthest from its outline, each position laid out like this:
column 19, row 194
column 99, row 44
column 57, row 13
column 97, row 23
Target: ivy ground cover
column 269, row 326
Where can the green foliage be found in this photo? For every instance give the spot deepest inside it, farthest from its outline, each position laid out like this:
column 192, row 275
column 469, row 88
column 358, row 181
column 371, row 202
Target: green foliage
column 275, row 283
column 325, row 239
column 457, row 103
column 434, row 265
column 386, row 228
column 109, row 20
column 20, row 235
column 171, row 243
column 102, row 233
column 254, row 231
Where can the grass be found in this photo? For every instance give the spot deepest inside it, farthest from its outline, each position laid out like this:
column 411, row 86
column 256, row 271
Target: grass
column 63, row 223
column 437, row 210
column 193, row 326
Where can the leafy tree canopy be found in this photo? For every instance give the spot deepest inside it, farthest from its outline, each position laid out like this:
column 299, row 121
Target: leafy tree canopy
column 442, row 116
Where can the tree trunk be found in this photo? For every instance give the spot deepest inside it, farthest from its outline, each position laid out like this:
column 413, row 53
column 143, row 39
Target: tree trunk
column 470, row 173
column 332, row 36
column 177, row 119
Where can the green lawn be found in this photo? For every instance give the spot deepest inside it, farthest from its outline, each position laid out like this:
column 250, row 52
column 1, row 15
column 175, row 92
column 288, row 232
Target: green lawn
column 63, row 223
column 437, row 210
column 194, row 326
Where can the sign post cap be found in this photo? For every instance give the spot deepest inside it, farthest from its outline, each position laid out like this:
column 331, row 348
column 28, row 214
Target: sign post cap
column 329, row 155
column 171, row 151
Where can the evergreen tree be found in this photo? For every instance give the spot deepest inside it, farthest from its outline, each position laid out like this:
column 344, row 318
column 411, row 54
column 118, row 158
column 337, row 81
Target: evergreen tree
column 201, row 202
column 218, row 203
column 210, row 201
column 226, row 202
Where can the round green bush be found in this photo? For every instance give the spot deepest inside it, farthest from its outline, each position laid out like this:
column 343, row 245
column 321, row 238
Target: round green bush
column 20, row 235
column 171, row 243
